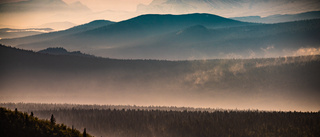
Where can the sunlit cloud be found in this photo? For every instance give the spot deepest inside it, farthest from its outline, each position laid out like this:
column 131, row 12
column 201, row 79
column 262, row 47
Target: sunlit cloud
column 116, row 5
column 308, row 51
column 32, row 13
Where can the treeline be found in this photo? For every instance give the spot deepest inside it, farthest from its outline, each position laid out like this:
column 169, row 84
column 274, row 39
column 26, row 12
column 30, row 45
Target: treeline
column 29, row 107
column 18, row 124
column 146, row 123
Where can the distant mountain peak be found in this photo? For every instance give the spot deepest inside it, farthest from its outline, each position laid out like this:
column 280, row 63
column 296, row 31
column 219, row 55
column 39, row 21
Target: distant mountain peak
column 62, row 51
column 54, row 50
column 208, row 20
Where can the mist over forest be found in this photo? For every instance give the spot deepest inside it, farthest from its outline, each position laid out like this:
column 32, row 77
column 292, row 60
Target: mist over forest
column 285, row 83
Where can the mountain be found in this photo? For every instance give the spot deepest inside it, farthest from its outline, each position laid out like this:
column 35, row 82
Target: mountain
column 139, row 29
column 227, row 8
column 58, row 34
column 280, row 18
column 128, row 33
column 58, row 25
column 62, row 51
column 181, row 37
column 267, row 84
column 15, row 123
column 198, row 42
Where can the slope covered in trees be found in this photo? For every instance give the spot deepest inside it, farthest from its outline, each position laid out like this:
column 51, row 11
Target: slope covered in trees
column 18, row 124
column 286, row 83
column 167, row 123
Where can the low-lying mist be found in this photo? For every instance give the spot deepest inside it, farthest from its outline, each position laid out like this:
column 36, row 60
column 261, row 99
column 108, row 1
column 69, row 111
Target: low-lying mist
column 286, row 83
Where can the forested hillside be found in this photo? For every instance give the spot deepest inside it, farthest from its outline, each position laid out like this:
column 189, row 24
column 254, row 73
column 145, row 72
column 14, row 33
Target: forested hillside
column 18, row 124
column 285, row 83
column 167, row 123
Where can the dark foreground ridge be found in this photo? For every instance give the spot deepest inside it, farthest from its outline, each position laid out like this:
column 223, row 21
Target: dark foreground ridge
column 143, row 122
column 18, row 124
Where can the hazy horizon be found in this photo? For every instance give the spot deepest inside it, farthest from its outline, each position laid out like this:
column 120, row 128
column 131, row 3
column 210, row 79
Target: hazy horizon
column 34, row 13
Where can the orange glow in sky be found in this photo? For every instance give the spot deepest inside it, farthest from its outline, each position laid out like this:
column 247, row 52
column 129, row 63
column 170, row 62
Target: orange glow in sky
column 117, row 5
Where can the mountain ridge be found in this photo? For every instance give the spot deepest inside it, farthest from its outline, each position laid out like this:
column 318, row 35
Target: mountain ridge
column 226, row 7
column 53, row 35
column 134, row 30
column 279, row 18
column 62, row 51
column 155, row 37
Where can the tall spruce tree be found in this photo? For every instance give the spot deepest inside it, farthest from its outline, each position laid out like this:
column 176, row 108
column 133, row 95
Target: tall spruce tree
column 84, row 133
column 52, row 119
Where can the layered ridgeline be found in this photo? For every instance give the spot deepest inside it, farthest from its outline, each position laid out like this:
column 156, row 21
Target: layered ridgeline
column 228, row 8
column 134, row 121
column 285, row 83
column 190, row 36
column 18, row 124
column 58, row 34
column 280, row 17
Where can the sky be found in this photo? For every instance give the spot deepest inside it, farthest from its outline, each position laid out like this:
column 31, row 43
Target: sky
column 36, row 13
column 122, row 5
column 100, row 5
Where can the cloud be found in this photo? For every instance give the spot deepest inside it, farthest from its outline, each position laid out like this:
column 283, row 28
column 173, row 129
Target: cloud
column 31, row 13
column 9, row 1
column 268, row 48
column 115, row 5
column 34, row 13
column 42, row 6
column 207, row 73
column 307, row 51
column 237, row 68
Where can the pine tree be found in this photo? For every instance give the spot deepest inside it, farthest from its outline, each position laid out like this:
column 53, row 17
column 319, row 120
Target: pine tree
column 84, row 133
column 52, row 119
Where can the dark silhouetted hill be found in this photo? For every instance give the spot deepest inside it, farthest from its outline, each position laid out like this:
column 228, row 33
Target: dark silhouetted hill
column 286, row 83
column 18, row 124
column 62, row 51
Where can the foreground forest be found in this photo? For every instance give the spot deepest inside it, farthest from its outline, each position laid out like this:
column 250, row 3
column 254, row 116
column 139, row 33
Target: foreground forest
column 18, row 124
column 127, row 122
